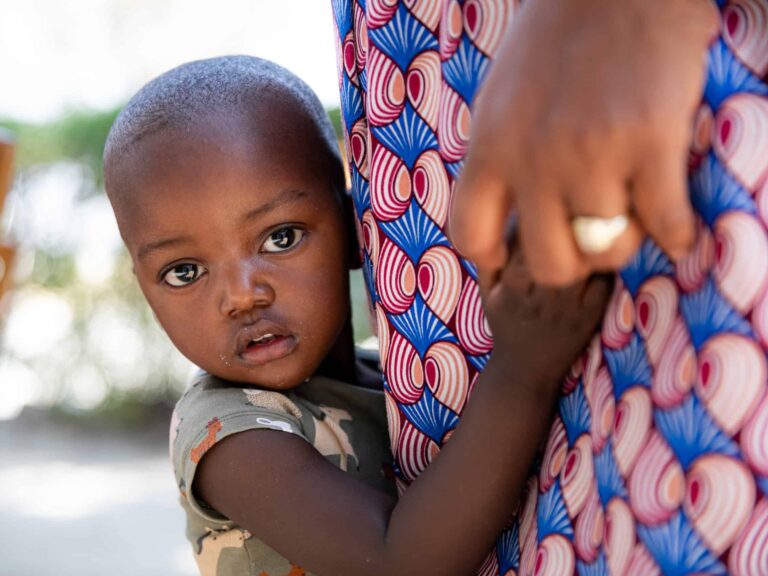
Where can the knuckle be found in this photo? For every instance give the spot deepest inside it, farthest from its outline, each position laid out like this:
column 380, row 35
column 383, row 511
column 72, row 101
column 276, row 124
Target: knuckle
column 570, row 140
column 536, row 154
column 460, row 242
column 589, row 139
column 459, row 228
column 674, row 234
column 471, row 246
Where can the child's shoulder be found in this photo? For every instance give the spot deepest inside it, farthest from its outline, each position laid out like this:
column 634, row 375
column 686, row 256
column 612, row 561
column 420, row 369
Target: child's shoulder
column 211, row 403
column 212, row 409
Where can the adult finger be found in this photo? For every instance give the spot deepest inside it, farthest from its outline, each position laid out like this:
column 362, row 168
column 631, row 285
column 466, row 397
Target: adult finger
column 605, row 196
column 545, row 234
column 479, row 212
column 513, row 268
column 661, row 202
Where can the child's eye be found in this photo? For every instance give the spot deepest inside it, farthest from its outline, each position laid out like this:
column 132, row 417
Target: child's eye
column 282, row 239
column 183, row 274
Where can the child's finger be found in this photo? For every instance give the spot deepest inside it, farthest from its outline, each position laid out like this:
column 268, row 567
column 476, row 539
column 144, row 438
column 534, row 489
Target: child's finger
column 597, row 291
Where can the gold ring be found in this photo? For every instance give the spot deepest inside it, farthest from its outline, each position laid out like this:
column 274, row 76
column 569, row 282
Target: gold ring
column 594, row 235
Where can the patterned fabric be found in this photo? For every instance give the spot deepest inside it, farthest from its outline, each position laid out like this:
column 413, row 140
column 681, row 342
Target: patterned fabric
column 658, row 458
column 345, row 423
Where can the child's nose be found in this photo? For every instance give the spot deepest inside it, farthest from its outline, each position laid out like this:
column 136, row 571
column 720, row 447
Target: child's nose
column 244, row 288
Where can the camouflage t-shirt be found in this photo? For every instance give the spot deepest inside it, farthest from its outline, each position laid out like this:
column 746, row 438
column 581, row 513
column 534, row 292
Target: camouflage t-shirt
column 346, row 424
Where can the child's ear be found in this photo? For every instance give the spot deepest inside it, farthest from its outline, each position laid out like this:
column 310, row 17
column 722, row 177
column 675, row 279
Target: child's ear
column 353, row 253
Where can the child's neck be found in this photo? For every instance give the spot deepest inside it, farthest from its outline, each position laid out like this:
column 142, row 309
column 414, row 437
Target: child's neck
column 341, row 363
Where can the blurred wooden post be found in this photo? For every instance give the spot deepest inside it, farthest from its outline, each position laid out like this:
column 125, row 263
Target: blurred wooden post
column 7, row 249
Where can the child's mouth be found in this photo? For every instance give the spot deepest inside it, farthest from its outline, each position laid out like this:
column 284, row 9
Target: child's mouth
column 267, row 347
column 266, row 339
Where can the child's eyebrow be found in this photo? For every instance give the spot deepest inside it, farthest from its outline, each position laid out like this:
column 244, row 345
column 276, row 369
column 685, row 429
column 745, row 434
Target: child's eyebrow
column 285, row 197
column 147, row 249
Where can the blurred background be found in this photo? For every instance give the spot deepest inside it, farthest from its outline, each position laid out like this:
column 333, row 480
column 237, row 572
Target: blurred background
column 87, row 378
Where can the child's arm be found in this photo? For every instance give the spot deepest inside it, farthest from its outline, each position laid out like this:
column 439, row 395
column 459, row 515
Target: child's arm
column 282, row 490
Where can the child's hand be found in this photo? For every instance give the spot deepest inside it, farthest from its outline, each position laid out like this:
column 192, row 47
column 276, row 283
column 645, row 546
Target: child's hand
column 538, row 330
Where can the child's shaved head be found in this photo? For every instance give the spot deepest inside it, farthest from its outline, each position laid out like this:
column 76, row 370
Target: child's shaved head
column 228, row 190
column 240, row 89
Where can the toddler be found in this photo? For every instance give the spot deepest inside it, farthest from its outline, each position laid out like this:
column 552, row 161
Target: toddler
column 228, row 189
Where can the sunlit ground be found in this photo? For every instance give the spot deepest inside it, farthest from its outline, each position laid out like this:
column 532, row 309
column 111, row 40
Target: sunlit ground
column 102, row 518
column 81, row 502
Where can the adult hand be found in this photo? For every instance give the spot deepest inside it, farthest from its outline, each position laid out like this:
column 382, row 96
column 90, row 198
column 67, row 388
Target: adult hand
column 586, row 111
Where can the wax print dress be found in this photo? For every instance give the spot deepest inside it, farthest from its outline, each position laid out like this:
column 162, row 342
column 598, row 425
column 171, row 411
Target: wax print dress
column 657, row 461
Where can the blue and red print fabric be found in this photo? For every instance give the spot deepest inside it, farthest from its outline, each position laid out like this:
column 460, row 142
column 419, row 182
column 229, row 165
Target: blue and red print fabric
column 657, row 462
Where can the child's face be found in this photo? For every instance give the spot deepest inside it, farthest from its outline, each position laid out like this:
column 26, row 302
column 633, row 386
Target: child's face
column 239, row 246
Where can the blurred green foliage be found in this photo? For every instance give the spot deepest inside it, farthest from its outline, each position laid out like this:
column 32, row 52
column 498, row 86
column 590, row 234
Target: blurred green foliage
column 78, row 136
column 53, row 270
column 335, row 114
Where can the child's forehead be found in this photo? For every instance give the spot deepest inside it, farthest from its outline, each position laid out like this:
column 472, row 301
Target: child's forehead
column 275, row 125
column 202, row 187
column 216, row 159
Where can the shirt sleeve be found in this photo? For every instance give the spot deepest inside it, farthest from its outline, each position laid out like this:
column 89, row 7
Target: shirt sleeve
column 212, row 409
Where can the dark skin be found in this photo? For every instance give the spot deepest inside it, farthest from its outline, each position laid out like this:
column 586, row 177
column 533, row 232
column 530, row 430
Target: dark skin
column 277, row 485
column 587, row 110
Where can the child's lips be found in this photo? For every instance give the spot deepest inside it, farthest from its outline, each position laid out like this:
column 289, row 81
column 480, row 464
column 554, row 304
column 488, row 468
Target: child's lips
column 274, row 348
column 264, row 342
